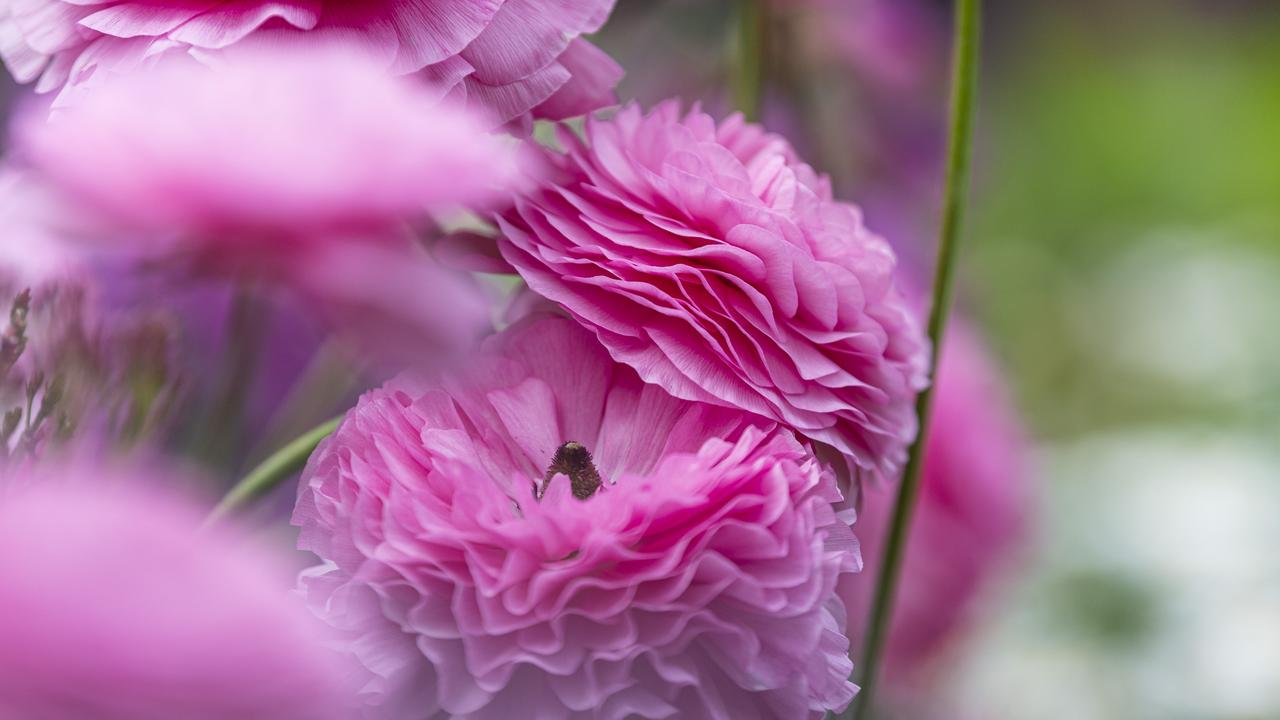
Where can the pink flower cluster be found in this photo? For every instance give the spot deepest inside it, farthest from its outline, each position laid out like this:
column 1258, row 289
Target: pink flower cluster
column 628, row 502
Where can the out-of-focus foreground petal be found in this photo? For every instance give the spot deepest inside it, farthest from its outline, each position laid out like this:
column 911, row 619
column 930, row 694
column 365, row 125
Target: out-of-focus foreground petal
column 117, row 607
column 267, row 146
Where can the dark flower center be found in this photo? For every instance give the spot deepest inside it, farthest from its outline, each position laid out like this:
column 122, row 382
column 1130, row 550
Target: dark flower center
column 574, row 462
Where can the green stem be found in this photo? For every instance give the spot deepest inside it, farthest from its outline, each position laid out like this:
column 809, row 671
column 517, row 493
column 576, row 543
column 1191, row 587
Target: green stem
column 964, row 70
column 747, row 81
column 274, row 470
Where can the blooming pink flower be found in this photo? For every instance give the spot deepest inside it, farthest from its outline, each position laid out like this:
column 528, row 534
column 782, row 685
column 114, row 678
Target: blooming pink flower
column 694, row 580
column 969, row 519
column 514, row 57
column 115, row 607
column 718, row 266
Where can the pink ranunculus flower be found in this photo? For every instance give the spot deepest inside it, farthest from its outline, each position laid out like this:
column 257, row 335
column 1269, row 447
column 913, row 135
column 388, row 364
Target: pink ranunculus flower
column 117, row 607
column 969, row 521
column 516, row 58
column 546, row 536
column 305, row 168
column 717, row 265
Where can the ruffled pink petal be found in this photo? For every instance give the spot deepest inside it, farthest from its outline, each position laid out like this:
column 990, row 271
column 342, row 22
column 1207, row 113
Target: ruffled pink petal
column 230, row 22
column 710, row 259
column 134, row 19
column 697, row 583
column 593, row 77
column 512, row 100
column 431, row 30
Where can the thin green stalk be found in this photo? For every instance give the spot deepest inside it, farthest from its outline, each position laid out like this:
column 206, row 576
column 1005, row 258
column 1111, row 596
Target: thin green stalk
column 964, row 70
column 747, row 81
column 274, row 470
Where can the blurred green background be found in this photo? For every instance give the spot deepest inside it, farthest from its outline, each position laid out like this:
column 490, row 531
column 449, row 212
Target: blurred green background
column 1124, row 255
column 1123, row 258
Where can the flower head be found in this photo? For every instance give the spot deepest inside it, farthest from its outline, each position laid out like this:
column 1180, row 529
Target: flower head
column 516, row 58
column 546, row 536
column 717, row 265
column 116, row 607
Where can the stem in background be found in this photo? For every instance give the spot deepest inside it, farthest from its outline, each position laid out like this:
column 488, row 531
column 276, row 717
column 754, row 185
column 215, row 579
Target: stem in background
column 964, row 67
column 274, row 470
column 247, row 328
column 751, row 43
column 322, row 386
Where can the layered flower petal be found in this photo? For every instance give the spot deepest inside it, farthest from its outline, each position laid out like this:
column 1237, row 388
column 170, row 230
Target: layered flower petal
column 513, row 54
column 470, row 579
column 711, row 260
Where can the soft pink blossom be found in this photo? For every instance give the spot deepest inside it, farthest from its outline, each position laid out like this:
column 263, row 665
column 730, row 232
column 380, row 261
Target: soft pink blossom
column 696, row 582
column 272, row 147
column 716, row 264
column 968, row 522
column 34, row 247
column 516, row 58
column 116, row 607
column 303, row 168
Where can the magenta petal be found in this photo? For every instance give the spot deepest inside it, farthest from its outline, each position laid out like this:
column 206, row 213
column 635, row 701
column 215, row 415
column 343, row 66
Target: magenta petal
column 431, row 30
column 134, row 19
column 511, row 100
column 593, row 77
column 231, row 21
column 710, row 259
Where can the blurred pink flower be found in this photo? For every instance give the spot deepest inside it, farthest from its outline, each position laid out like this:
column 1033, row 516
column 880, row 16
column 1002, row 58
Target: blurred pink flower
column 715, row 263
column 268, row 148
column 696, row 582
column 513, row 57
column 277, row 165
column 33, row 248
column 895, row 43
column 117, row 608
column 969, row 520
